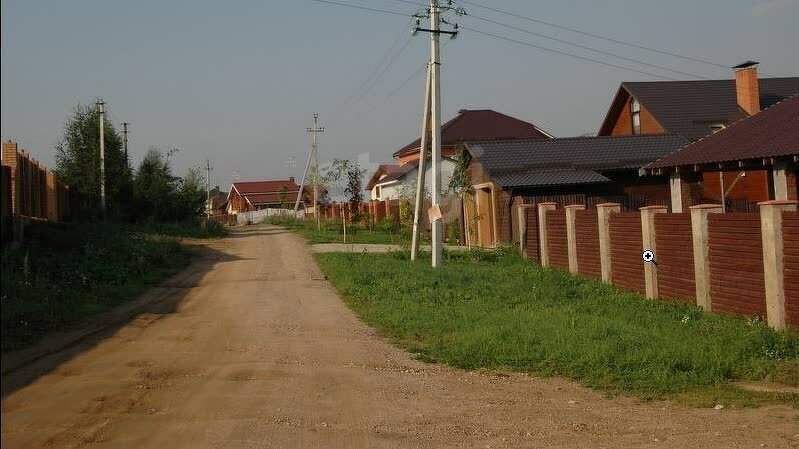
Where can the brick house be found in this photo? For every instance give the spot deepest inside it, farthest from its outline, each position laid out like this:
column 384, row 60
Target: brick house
column 255, row 195
column 695, row 109
column 577, row 170
column 765, row 141
column 474, row 125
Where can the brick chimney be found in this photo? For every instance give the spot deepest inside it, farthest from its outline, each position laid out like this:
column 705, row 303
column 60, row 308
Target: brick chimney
column 291, row 179
column 747, row 87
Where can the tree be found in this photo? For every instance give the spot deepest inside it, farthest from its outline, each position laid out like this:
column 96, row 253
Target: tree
column 78, row 161
column 337, row 176
column 283, row 196
column 191, row 196
column 155, row 189
column 461, row 185
column 354, row 189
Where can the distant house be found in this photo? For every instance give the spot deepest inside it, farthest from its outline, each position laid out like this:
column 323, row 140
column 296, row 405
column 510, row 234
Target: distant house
column 255, row 195
column 575, row 170
column 217, row 201
column 391, row 182
column 694, row 110
column 767, row 140
column 469, row 125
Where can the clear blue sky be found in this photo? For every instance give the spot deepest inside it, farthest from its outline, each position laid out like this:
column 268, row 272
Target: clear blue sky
column 238, row 81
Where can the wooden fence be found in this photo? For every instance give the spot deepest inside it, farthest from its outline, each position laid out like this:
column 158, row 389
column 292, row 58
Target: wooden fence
column 738, row 263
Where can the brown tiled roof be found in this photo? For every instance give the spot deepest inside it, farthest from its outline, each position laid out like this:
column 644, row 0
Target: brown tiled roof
column 770, row 133
column 479, row 125
column 259, row 199
column 265, row 186
column 387, row 169
column 689, row 108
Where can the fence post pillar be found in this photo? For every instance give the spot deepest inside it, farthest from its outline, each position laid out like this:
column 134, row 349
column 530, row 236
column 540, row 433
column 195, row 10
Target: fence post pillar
column 649, row 241
column 603, row 212
column 571, row 235
column 699, row 219
column 521, row 216
column 773, row 263
column 542, row 231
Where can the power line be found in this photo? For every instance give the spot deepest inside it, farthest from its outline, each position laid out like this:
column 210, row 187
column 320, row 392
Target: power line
column 584, row 47
column 364, row 8
column 594, row 35
column 385, row 69
column 571, row 55
column 357, row 91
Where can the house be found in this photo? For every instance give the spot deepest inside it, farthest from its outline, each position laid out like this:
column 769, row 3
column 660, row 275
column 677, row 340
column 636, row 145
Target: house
column 695, row 109
column 574, row 170
column 391, row 182
column 217, row 201
column 766, row 141
column 472, row 125
column 255, row 195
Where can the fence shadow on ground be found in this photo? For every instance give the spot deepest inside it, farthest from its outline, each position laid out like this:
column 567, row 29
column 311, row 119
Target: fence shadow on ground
column 23, row 367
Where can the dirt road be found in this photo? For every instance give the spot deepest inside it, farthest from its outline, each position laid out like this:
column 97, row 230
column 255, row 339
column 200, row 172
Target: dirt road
column 253, row 349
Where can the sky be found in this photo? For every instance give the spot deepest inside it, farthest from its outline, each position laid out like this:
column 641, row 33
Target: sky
column 237, row 82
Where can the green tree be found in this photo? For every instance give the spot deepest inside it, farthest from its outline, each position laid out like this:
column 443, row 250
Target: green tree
column 78, row 162
column 155, row 189
column 461, row 185
column 191, row 196
column 283, row 196
column 354, row 189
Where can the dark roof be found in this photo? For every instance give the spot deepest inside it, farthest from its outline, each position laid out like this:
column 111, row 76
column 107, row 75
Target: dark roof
column 772, row 132
column 265, row 186
column 479, row 125
column 567, row 161
column 382, row 169
column 688, row 108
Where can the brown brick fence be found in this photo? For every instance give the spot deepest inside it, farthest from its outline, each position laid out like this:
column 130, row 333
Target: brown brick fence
column 675, row 257
column 739, row 263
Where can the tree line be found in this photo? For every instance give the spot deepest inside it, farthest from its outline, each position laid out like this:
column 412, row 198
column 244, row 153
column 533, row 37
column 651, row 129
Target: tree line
column 150, row 193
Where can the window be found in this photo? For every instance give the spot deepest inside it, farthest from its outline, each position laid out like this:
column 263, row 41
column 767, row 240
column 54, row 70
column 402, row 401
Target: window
column 377, row 192
column 635, row 114
column 716, row 127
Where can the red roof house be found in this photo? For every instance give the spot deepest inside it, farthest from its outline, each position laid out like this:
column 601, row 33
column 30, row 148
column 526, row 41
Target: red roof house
column 255, row 195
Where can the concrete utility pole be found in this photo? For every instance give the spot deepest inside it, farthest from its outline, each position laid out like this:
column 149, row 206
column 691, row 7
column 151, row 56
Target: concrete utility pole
column 125, row 142
column 208, row 187
column 420, row 178
column 101, row 108
column 302, row 183
column 435, row 31
column 316, row 129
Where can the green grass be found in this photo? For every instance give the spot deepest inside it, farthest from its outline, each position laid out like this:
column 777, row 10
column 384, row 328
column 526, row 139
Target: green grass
column 495, row 311
column 66, row 273
column 333, row 232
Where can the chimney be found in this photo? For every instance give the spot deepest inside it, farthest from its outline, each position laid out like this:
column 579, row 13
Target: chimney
column 291, row 179
column 747, row 87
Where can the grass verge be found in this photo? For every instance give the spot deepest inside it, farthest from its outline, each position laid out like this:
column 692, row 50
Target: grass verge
column 386, row 233
column 67, row 272
column 496, row 311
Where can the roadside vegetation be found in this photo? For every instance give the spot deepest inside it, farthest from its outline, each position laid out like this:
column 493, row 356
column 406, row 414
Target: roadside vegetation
column 496, row 311
column 386, row 232
column 67, row 272
column 63, row 273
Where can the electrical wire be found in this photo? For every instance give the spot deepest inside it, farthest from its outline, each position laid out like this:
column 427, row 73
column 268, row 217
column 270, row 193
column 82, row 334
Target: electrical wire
column 385, row 69
column 563, row 53
column 594, row 35
column 585, row 47
column 364, row 8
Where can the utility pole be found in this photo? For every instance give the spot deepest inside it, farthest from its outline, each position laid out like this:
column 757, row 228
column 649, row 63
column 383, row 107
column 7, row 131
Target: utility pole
column 101, row 108
column 316, row 129
column 420, row 177
column 208, row 187
column 302, row 183
column 125, row 142
column 434, row 14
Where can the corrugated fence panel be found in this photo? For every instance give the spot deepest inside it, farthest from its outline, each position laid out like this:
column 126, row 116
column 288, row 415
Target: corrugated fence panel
column 532, row 245
column 736, row 264
column 626, row 249
column 556, row 233
column 790, row 236
column 675, row 257
column 587, row 233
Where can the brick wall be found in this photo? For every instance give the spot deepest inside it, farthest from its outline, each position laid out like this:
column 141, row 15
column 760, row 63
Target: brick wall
column 626, row 248
column 675, row 257
column 558, row 248
column 790, row 236
column 31, row 190
column 587, row 236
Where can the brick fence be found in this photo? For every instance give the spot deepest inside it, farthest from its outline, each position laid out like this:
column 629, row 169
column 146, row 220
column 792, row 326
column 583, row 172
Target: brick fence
column 737, row 263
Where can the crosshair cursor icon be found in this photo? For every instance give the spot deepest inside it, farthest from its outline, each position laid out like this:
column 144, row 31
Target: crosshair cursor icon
column 649, row 257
